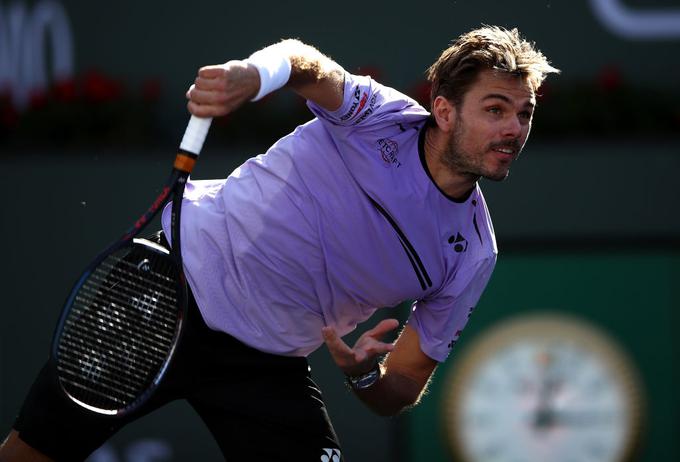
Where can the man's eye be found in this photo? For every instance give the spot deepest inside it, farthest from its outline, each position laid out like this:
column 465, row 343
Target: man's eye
column 494, row 110
column 525, row 115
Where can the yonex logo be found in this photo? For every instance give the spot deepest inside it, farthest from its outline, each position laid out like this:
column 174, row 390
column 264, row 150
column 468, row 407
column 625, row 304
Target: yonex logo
column 144, row 265
column 459, row 243
column 331, row 455
column 357, row 96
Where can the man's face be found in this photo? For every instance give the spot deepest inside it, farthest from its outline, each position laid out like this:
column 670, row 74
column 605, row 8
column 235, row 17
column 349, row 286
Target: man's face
column 492, row 124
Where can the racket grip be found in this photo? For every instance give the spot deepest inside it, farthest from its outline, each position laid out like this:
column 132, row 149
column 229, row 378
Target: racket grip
column 195, row 134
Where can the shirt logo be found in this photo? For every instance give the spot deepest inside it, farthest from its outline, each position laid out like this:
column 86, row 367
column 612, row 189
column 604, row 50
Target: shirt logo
column 459, row 331
column 371, row 107
column 331, row 455
column 460, row 244
column 389, row 150
column 455, row 339
column 359, row 101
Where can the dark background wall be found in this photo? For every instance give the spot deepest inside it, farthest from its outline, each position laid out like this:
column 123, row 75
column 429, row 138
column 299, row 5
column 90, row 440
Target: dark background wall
column 84, row 145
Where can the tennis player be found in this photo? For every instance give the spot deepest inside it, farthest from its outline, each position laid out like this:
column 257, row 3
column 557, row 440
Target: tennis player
column 373, row 202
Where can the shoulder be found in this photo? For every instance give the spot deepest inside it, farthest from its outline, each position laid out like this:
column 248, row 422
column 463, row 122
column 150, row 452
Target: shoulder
column 368, row 103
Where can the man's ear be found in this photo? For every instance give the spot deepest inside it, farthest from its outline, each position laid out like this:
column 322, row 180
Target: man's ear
column 444, row 113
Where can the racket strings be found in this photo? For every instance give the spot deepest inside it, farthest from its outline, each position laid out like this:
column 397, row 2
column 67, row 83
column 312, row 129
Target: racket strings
column 124, row 362
column 126, row 268
column 93, row 323
column 82, row 388
column 117, row 321
column 121, row 328
column 88, row 296
column 122, row 354
column 119, row 373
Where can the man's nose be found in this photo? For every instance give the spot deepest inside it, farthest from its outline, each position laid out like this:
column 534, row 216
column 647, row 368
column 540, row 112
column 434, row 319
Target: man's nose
column 512, row 127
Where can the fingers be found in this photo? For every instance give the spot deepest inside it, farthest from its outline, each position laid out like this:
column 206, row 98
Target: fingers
column 209, row 79
column 205, row 111
column 364, row 354
column 210, row 84
column 211, row 103
column 368, row 348
column 334, row 342
column 204, row 102
column 382, row 328
column 341, row 352
column 199, row 96
column 211, row 72
column 221, row 89
column 370, row 344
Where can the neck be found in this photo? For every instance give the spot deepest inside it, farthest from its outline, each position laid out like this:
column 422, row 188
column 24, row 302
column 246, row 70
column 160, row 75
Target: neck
column 454, row 183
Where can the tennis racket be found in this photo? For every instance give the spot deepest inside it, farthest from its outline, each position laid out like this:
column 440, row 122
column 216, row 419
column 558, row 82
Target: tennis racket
column 119, row 327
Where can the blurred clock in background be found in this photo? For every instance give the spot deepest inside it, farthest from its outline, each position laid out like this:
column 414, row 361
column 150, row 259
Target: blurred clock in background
column 543, row 388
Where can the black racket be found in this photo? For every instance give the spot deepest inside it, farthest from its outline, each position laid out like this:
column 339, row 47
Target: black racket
column 120, row 324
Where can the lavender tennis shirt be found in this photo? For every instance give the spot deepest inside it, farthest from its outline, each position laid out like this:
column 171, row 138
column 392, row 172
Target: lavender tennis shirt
column 336, row 220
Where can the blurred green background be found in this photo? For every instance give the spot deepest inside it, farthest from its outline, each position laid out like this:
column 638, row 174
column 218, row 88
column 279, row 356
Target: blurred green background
column 92, row 105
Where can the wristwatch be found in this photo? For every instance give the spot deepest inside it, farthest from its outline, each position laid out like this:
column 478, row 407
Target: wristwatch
column 364, row 381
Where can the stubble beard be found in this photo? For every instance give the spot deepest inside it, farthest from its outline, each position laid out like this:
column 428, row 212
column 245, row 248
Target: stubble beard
column 463, row 163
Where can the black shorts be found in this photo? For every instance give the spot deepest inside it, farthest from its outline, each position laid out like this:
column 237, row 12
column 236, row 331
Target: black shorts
column 258, row 406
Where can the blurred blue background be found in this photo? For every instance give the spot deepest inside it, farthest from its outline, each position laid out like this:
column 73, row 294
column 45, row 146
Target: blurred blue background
column 92, row 105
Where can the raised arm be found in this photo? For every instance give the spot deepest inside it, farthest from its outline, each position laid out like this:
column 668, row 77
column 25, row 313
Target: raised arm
column 221, row 89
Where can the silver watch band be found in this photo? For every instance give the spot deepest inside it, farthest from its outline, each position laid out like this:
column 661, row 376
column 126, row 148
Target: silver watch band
column 363, row 381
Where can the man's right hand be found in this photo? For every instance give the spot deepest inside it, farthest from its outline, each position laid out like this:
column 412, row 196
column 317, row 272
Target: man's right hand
column 221, row 89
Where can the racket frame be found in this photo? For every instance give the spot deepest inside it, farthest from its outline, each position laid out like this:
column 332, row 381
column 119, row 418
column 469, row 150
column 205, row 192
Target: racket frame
column 173, row 190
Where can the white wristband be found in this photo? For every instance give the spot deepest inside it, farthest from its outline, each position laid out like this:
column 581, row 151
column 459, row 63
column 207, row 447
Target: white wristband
column 274, row 69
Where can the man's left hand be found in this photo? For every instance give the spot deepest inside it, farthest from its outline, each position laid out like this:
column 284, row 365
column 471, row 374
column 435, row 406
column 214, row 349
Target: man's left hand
column 363, row 356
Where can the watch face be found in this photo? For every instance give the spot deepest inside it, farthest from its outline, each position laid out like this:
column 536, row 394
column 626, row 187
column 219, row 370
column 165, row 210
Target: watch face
column 543, row 388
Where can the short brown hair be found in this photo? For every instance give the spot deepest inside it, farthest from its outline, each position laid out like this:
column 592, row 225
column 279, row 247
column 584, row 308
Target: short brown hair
column 489, row 47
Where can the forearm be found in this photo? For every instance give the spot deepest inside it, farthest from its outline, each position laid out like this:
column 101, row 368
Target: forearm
column 221, row 89
column 391, row 394
column 312, row 75
column 404, row 374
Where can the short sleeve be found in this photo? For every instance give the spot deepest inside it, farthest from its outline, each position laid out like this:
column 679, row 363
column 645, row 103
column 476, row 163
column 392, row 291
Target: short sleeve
column 367, row 103
column 440, row 320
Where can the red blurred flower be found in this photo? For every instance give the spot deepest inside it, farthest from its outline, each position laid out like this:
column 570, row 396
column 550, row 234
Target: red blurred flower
column 38, row 98
column 9, row 117
column 610, row 78
column 421, row 92
column 64, row 91
column 99, row 88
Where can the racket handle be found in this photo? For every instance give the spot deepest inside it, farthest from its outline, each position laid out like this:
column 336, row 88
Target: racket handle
column 195, row 134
